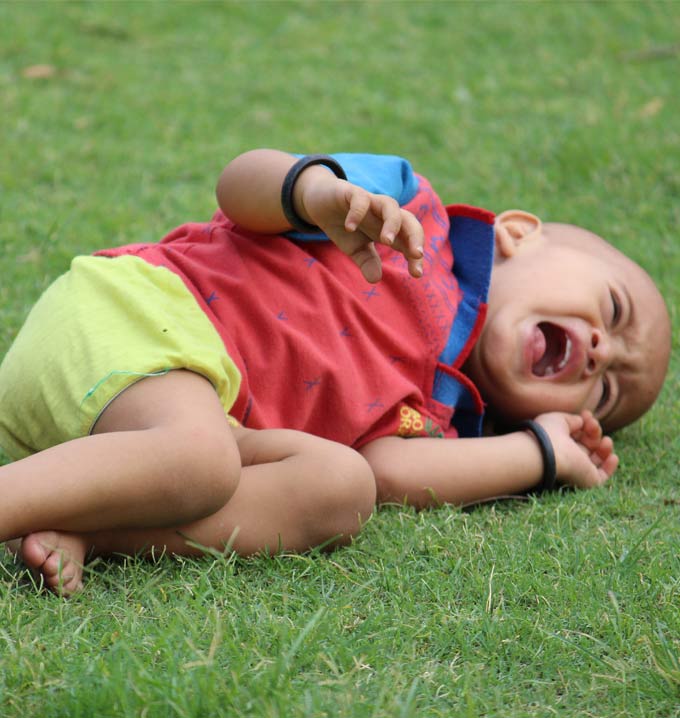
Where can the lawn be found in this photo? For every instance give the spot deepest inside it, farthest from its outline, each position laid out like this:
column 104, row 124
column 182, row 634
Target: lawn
column 115, row 121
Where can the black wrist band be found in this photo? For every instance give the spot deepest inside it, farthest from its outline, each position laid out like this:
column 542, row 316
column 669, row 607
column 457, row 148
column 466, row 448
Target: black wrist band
column 289, row 184
column 549, row 480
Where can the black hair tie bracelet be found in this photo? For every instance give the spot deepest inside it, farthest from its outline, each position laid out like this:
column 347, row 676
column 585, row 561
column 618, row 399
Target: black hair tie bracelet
column 291, row 178
column 549, row 480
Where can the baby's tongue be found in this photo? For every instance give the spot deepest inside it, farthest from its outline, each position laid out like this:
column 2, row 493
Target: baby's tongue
column 538, row 345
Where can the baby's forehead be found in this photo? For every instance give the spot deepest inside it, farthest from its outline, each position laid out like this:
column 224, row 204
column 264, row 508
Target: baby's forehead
column 589, row 246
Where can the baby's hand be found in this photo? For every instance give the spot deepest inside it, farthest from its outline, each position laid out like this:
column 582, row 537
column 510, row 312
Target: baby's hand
column 585, row 458
column 355, row 219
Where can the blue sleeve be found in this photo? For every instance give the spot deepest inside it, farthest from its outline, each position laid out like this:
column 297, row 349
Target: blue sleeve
column 380, row 174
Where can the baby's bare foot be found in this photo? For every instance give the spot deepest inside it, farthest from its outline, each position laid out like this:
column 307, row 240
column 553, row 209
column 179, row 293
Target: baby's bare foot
column 57, row 557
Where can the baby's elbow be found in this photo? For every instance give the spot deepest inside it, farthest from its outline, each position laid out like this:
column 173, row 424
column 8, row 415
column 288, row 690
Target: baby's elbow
column 391, row 490
column 395, row 481
column 397, row 466
column 388, row 490
column 390, row 487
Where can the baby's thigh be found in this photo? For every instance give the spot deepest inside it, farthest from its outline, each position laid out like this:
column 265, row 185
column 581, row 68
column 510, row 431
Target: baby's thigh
column 178, row 422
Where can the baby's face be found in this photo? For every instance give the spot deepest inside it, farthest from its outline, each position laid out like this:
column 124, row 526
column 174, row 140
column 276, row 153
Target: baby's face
column 572, row 324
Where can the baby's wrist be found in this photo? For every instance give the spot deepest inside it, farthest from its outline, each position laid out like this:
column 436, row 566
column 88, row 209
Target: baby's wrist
column 529, row 457
column 305, row 173
column 310, row 178
column 548, row 480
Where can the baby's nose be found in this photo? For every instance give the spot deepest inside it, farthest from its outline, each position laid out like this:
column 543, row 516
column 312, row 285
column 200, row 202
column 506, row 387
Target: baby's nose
column 598, row 352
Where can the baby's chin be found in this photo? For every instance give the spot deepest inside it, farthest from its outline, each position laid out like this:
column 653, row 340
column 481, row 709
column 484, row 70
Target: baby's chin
column 508, row 409
column 509, row 416
column 509, row 398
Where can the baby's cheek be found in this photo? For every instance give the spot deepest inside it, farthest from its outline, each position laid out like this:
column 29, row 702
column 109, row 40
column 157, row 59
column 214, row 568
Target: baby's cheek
column 594, row 396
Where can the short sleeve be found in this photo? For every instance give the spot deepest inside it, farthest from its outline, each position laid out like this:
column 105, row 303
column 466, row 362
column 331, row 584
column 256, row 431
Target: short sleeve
column 380, row 174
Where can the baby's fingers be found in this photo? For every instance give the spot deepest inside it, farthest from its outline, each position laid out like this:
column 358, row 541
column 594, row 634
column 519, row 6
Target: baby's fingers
column 359, row 204
column 389, row 211
column 377, row 216
column 608, row 466
column 410, row 243
column 604, row 459
column 574, row 423
column 591, row 437
column 367, row 259
column 591, row 426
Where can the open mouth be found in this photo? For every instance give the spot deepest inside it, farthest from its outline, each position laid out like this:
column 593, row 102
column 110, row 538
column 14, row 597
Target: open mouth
column 551, row 349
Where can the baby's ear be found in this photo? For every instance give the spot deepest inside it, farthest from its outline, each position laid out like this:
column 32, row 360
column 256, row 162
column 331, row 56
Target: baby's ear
column 513, row 227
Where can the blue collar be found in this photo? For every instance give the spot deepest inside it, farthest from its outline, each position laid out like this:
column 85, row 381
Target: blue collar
column 471, row 235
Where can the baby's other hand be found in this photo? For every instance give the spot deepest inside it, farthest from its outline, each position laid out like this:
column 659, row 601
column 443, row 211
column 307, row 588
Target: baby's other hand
column 584, row 457
column 355, row 220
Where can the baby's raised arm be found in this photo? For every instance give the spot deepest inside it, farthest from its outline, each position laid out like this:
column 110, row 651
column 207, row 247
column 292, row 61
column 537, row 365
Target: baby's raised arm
column 249, row 193
column 427, row 472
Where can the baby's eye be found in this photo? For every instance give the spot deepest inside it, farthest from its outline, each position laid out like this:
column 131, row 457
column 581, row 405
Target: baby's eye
column 616, row 314
column 604, row 398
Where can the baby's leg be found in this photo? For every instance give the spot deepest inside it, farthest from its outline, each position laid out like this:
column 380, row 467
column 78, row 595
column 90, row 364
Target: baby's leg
column 162, row 454
column 296, row 492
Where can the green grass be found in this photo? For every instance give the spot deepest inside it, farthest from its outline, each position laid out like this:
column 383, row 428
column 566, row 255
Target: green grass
column 567, row 606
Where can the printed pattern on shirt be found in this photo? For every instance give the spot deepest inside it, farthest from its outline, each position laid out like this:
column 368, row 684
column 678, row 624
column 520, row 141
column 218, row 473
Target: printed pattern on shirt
column 412, row 423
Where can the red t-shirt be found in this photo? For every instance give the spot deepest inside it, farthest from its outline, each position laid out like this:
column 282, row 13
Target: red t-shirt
column 323, row 351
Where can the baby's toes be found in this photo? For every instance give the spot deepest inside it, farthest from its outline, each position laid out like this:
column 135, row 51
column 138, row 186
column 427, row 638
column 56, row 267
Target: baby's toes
column 34, row 552
column 61, row 574
column 51, row 569
column 68, row 586
column 57, row 567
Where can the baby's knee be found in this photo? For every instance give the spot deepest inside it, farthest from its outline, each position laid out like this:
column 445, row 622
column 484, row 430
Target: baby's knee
column 205, row 472
column 345, row 497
